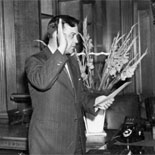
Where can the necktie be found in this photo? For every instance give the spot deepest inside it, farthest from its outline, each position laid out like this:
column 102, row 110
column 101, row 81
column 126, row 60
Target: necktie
column 68, row 73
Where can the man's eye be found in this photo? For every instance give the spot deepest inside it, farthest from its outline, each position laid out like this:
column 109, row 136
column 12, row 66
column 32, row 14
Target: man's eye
column 72, row 35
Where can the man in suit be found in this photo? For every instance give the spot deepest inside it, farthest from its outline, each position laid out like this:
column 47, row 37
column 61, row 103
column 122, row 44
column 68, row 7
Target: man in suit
column 57, row 93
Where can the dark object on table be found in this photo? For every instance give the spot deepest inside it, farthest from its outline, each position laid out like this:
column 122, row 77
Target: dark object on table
column 19, row 116
column 24, row 109
column 121, row 150
column 131, row 131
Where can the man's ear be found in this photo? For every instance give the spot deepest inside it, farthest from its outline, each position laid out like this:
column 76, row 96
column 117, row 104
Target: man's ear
column 51, row 28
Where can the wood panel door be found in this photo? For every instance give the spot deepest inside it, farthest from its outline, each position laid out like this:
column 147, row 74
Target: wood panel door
column 145, row 74
column 19, row 27
column 147, row 37
column 2, row 67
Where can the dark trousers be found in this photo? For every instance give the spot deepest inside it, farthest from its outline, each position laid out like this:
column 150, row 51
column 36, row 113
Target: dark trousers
column 80, row 143
column 78, row 149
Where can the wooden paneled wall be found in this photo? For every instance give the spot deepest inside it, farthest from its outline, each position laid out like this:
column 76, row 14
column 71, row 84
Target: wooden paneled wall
column 145, row 83
column 10, row 53
column 2, row 66
column 27, row 29
column 127, row 21
column 19, row 27
column 119, row 18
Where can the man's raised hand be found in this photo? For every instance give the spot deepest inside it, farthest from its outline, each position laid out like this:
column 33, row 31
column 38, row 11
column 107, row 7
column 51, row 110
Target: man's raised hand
column 62, row 42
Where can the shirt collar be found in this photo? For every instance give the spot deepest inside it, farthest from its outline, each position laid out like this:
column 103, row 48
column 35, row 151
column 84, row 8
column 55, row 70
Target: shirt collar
column 50, row 49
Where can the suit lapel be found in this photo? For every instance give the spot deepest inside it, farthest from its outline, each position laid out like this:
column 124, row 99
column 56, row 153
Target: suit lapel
column 69, row 77
column 73, row 72
column 66, row 77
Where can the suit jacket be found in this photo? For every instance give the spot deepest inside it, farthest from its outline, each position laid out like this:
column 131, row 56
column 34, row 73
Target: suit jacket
column 58, row 104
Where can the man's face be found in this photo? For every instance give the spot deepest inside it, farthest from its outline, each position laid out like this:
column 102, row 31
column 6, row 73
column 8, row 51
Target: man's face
column 71, row 37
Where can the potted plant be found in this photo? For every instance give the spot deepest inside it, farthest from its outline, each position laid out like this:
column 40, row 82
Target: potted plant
column 118, row 66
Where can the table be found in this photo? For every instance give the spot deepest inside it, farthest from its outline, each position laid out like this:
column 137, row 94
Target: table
column 147, row 145
column 13, row 137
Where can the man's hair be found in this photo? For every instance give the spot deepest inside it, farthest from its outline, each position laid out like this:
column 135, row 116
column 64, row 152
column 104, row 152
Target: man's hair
column 53, row 24
column 71, row 21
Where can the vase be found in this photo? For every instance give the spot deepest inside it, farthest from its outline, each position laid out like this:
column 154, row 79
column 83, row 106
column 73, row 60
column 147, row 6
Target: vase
column 95, row 127
column 95, row 124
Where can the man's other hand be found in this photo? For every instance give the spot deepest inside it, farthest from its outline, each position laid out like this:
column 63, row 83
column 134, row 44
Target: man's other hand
column 101, row 104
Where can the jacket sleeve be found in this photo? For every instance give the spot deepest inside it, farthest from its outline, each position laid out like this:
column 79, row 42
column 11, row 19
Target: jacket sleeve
column 88, row 101
column 86, row 98
column 42, row 73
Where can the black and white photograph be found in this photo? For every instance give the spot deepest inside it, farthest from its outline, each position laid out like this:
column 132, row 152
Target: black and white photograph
column 77, row 77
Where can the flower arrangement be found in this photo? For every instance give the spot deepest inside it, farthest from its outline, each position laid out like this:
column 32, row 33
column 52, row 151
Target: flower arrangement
column 118, row 65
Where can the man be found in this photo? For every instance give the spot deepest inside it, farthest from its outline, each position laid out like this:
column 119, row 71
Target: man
column 57, row 93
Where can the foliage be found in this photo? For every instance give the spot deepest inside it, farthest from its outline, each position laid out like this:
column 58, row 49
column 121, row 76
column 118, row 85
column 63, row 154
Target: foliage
column 118, row 66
